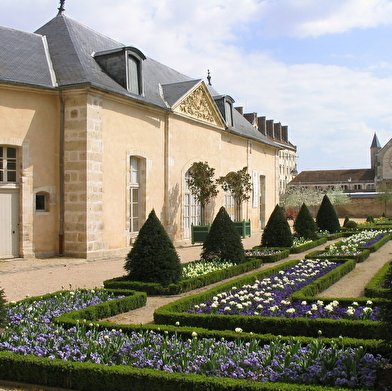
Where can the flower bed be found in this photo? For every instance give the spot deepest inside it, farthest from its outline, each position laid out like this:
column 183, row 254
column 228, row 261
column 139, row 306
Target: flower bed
column 186, row 284
column 118, row 361
column 288, row 325
column 267, row 254
column 301, row 247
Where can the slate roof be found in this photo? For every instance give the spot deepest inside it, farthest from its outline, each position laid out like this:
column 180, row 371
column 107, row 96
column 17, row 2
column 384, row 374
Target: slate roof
column 334, row 176
column 72, row 46
column 23, row 59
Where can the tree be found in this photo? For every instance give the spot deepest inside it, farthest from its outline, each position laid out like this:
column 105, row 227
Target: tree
column 153, row 257
column 223, row 240
column 296, row 196
column 304, row 225
column 327, row 218
column 201, row 185
column 239, row 184
column 277, row 232
column 384, row 195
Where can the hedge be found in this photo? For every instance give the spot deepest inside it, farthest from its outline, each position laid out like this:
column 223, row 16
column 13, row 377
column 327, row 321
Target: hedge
column 373, row 287
column 189, row 284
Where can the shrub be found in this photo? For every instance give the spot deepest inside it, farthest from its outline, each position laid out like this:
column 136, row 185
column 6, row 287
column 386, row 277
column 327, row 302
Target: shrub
column 346, row 220
column 327, row 219
column 370, row 219
column 153, row 257
column 386, row 311
column 351, row 224
column 3, row 311
column 277, row 232
column 223, row 240
column 304, row 225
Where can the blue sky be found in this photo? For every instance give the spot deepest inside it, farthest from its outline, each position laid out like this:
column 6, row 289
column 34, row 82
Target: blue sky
column 322, row 67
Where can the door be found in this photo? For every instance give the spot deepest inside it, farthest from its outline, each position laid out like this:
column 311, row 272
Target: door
column 191, row 214
column 9, row 224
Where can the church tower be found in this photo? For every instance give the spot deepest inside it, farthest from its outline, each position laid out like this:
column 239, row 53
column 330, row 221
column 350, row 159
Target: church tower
column 374, row 148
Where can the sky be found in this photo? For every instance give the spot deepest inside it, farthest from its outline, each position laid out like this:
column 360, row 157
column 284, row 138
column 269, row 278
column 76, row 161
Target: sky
column 321, row 67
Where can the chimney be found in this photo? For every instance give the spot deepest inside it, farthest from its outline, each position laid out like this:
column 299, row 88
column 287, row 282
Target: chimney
column 285, row 133
column 261, row 125
column 270, row 128
column 278, row 131
column 240, row 110
column 252, row 118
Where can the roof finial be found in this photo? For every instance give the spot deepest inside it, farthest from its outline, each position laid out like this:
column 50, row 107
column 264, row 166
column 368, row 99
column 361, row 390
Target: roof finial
column 209, row 77
column 61, row 8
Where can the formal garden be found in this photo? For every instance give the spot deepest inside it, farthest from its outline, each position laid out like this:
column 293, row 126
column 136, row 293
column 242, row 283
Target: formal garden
column 264, row 330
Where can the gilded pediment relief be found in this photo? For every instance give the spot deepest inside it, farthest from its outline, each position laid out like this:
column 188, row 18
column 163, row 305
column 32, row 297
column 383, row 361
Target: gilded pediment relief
column 199, row 105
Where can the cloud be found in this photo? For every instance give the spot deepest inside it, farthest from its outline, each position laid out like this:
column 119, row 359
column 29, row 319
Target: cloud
column 314, row 18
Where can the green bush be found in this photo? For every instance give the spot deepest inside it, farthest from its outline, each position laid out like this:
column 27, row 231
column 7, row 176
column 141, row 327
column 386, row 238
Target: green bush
column 153, row 257
column 277, row 232
column 3, row 310
column 223, row 240
column 327, row 219
column 304, row 225
column 350, row 224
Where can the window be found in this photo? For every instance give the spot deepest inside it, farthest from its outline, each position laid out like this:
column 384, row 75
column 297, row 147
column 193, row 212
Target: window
column 230, row 205
column 228, row 112
column 134, row 193
column 7, row 165
column 124, row 65
column 42, row 202
column 133, row 75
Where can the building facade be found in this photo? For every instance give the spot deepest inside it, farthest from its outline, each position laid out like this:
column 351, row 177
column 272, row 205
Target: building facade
column 94, row 135
column 359, row 184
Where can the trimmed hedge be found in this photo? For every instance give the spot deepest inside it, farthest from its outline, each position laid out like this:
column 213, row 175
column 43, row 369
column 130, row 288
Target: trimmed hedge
column 189, row 284
column 308, row 246
column 283, row 253
column 88, row 376
column 375, row 246
column 174, row 312
column 373, row 287
column 131, row 301
column 364, row 254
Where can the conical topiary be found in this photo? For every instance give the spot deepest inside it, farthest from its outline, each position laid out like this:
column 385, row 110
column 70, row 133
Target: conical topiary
column 223, row 240
column 277, row 232
column 153, row 257
column 304, row 225
column 327, row 219
column 3, row 310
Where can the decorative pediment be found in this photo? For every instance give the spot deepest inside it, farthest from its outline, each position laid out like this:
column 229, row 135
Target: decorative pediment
column 198, row 104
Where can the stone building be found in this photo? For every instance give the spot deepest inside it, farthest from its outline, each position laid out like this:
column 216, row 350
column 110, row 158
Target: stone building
column 94, row 135
column 359, row 184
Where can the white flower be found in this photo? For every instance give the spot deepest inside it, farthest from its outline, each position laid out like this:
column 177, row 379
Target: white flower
column 350, row 312
column 194, row 334
column 369, row 302
column 238, row 330
column 290, row 311
column 304, row 302
column 177, row 323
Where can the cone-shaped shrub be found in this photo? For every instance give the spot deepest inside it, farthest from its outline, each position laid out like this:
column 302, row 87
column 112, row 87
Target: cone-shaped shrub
column 304, row 225
column 277, row 232
column 3, row 310
column 327, row 219
column 223, row 240
column 153, row 257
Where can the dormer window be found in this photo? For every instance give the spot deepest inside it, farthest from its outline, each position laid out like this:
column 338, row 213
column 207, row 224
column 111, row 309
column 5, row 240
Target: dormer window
column 124, row 65
column 228, row 112
column 225, row 106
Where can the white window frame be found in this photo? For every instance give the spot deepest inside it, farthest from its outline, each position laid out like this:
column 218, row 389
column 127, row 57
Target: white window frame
column 7, row 162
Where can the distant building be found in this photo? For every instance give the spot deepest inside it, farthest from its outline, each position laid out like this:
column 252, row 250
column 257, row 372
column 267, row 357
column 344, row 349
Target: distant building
column 351, row 181
column 359, row 184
